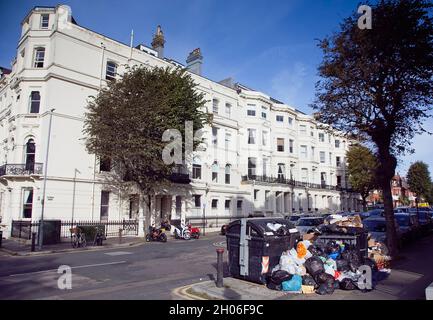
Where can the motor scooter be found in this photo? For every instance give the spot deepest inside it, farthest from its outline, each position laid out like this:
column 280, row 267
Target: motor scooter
column 156, row 234
column 194, row 231
column 181, row 231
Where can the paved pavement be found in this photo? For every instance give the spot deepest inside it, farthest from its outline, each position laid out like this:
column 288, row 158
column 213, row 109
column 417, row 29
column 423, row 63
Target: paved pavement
column 148, row 271
column 410, row 276
column 154, row 270
column 21, row 248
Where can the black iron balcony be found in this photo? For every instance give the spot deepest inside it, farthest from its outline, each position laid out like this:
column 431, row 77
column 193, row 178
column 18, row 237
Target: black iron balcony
column 180, row 178
column 20, row 169
column 291, row 182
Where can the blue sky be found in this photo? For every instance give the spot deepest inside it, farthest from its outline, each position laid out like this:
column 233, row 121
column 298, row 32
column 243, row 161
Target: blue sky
column 267, row 45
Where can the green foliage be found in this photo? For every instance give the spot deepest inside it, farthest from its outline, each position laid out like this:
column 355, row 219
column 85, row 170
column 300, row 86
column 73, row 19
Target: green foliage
column 362, row 169
column 126, row 121
column 378, row 83
column 418, row 178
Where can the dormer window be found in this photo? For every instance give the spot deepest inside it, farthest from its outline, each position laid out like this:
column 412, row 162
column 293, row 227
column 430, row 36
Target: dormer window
column 45, row 18
column 111, row 70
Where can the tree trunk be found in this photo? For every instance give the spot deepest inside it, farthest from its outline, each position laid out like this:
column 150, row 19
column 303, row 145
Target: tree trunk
column 364, row 203
column 385, row 173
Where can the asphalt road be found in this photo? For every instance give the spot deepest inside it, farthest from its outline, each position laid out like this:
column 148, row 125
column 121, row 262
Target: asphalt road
column 148, row 271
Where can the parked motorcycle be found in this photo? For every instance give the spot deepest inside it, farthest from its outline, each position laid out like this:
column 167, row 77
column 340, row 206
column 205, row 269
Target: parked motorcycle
column 166, row 225
column 181, row 232
column 194, row 231
column 156, row 234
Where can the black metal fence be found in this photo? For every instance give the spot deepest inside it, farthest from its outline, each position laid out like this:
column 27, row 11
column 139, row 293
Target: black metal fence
column 212, row 221
column 23, row 228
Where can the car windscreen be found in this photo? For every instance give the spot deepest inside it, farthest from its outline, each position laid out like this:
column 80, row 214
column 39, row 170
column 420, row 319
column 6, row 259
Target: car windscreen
column 403, row 221
column 294, row 218
column 375, row 226
column 309, row 222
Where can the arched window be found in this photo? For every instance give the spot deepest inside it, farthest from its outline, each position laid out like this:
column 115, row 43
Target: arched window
column 215, row 170
column 228, row 169
column 30, row 155
column 196, row 168
column 35, row 102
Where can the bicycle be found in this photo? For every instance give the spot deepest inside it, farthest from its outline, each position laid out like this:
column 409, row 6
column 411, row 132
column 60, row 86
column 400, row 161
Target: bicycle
column 78, row 238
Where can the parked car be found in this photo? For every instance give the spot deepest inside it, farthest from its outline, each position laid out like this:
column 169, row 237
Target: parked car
column 308, row 224
column 372, row 213
column 293, row 218
column 424, row 219
column 408, row 224
column 376, row 227
column 402, row 210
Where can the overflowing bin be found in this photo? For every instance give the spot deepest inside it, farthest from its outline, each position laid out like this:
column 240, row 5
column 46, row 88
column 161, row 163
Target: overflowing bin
column 255, row 246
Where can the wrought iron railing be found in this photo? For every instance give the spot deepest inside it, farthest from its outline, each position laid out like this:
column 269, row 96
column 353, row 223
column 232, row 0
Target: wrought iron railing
column 20, row 169
column 23, row 228
column 292, row 182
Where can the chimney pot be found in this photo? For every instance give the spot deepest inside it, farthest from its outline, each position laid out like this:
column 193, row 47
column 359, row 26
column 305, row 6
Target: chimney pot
column 194, row 61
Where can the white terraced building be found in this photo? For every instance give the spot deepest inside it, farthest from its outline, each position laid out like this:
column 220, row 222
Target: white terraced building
column 262, row 156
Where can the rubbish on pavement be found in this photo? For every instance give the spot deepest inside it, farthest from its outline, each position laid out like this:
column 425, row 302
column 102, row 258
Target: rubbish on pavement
column 293, row 285
column 331, row 260
column 307, row 289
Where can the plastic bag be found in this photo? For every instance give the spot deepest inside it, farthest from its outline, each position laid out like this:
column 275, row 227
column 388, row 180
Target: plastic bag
column 347, row 284
column 273, row 286
column 294, row 284
column 314, row 266
column 301, row 249
column 352, row 257
column 279, row 276
column 326, row 283
column 274, row 226
column 342, row 265
column 308, row 280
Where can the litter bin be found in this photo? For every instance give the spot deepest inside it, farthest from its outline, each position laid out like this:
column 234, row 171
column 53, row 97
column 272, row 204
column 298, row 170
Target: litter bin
column 255, row 245
column 358, row 239
column 52, row 230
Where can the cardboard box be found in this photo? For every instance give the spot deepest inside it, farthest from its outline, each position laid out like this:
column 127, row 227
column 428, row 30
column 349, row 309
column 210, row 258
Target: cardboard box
column 309, row 236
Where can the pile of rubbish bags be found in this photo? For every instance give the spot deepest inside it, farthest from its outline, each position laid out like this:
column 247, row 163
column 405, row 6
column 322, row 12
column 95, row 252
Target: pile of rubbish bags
column 317, row 267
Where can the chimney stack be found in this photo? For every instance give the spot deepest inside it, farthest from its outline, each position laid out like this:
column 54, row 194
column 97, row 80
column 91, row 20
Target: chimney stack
column 194, row 61
column 158, row 42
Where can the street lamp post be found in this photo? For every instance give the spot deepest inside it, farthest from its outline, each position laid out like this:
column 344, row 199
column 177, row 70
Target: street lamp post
column 73, row 195
column 41, row 222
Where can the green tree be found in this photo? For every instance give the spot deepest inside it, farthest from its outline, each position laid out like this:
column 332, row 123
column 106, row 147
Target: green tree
column 377, row 84
column 362, row 165
column 418, row 179
column 126, row 121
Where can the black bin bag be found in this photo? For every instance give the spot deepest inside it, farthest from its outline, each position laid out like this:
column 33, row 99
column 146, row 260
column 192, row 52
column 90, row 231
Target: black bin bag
column 314, row 266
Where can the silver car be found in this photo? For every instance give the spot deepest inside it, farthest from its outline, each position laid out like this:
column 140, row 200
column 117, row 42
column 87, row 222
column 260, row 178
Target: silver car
column 308, row 224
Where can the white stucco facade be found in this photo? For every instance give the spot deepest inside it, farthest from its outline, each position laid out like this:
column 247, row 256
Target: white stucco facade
column 250, row 126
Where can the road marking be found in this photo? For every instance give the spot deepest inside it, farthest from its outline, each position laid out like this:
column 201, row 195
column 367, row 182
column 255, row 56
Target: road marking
column 220, row 244
column 76, row 267
column 117, row 253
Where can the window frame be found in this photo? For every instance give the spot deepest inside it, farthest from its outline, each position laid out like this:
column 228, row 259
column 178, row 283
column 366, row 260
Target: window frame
column 32, row 102
column 41, row 24
column 110, row 75
column 37, row 62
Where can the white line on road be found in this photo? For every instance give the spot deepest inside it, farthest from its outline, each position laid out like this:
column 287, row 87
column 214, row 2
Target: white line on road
column 117, row 253
column 76, row 267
